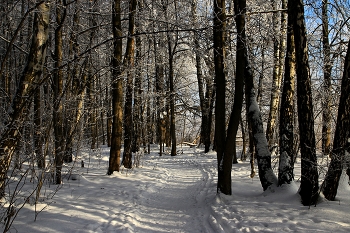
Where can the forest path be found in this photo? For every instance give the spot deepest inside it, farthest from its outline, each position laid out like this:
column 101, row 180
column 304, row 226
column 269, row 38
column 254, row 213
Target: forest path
column 173, row 195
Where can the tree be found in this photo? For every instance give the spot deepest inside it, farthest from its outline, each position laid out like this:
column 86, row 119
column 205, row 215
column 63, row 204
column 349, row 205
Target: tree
column 309, row 175
column 224, row 160
column 58, row 91
column 277, row 74
column 341, row 136
column 117, row 90
column 171, row 52
column 230, row 146
column 286, row 124
column 129, row 62
column 28, row 85
column 327, row 70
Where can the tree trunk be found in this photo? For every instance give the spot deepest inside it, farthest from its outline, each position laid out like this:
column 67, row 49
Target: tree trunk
column 172, row 98
column 200, row 78
column 28, row 85
column 286, row 162
column 309, row 174
column 230, row 146
column 117, row 91
column 38, row 140
column 77, row 89
column 129, row 61
column 341, row 136
column 137, row 115
column 327, row 86
column 262, row 152
column 223, row 160
column 209, row 102
column 276, row 79
column 58, row 92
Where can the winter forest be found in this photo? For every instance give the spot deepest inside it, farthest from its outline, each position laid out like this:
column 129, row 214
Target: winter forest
column 238, row 102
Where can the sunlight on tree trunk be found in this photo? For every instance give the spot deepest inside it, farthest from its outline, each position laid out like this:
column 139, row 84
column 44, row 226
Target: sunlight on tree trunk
column 27, row 86
column 117, row 91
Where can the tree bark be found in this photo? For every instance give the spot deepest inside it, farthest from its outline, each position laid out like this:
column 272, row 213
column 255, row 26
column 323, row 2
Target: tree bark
column 341, row 136
column 58, row 92
column 309, row 174
column 230, row 146
column 117, row 91
column 262, row 152
column 38, row 140
column 327, row 85
column 223, row 160
column 286, row 126
column 129, row 62
column 77, row 89
column 28, row 85
column 276, row 79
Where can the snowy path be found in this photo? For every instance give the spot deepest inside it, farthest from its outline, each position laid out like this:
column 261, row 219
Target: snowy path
column 177, row 194
column 173, row 201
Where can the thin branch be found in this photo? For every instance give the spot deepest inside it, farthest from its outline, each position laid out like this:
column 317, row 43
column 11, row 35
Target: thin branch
column 126, row 36
column 16, row 46
column 259, row 12
column 15, row 35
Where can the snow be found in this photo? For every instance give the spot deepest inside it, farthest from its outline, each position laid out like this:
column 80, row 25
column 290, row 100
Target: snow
column 177, row 194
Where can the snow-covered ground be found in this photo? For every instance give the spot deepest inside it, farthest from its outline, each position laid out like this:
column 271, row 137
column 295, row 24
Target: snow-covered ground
column 176, row 194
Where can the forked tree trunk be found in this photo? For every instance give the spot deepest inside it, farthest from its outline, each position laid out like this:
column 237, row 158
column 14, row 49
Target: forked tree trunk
column 117, row 91
column 28, row 85
column 309, row 175
column 341, row 136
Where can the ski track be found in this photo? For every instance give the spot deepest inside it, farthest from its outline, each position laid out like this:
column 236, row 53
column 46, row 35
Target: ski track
column 178, row 194
column 182, row 180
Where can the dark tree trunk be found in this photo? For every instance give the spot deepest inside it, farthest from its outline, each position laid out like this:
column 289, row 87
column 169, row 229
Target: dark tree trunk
column 230, row 146
column 117, row 90
column 58, row 92
column 200, row 77
column 309, row 174
column 224, row 161
column 38, row 140
column 327, row 86
column 341, row 136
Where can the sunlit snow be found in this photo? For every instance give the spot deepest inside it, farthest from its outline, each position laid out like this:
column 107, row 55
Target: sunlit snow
column 177, row 194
